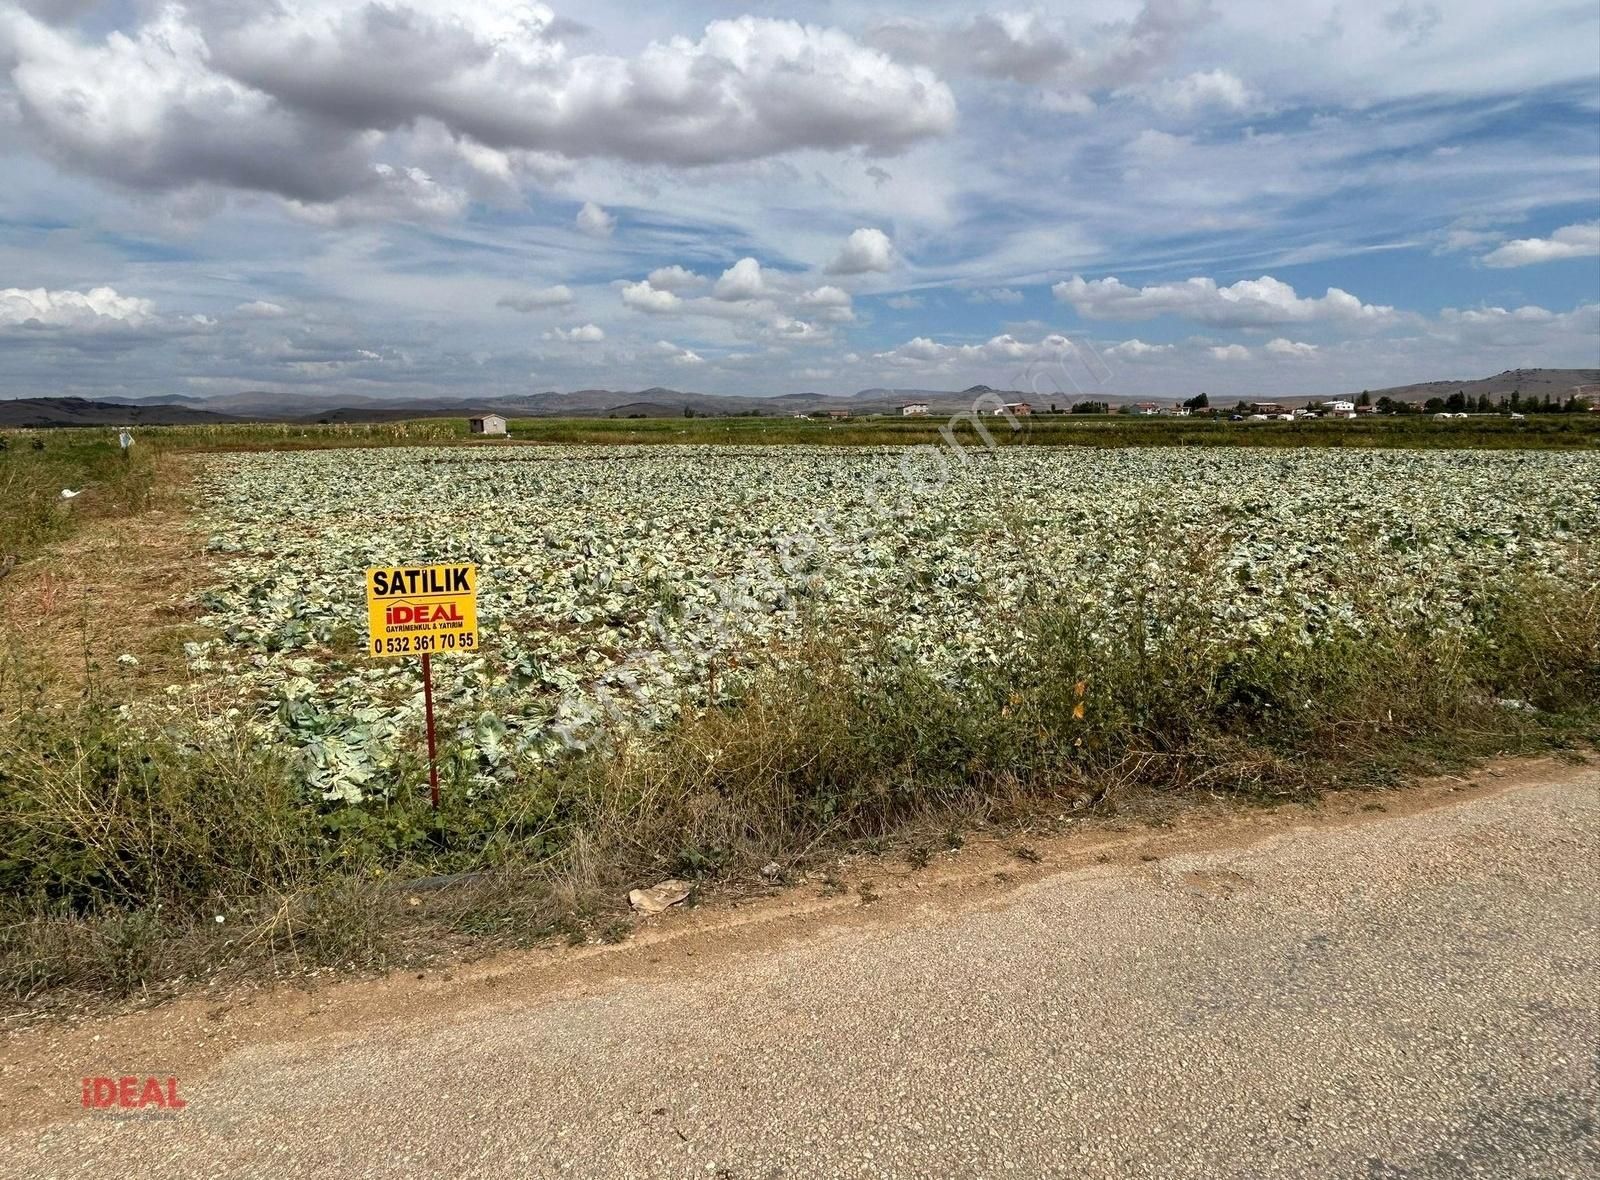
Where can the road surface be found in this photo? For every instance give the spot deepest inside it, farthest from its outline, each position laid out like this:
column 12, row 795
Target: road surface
column 1409, row 993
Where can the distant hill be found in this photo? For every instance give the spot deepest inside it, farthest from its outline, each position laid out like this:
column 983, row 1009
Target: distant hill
column 76, row 411
column 1558, row 383
column 659, row 402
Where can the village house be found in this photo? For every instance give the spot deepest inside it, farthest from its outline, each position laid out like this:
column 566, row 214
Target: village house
column 836, row 414
column 487, row 424
column 1148, row 409
column 914, row 410
column 1270, row 409
column 1013, row 410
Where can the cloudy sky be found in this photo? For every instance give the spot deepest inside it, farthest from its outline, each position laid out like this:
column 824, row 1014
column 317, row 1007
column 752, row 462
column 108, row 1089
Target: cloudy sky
column 416, row 196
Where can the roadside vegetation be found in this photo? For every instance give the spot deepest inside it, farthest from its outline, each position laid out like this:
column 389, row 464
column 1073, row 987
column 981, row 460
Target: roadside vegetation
column 136, row 859
column 145, row 850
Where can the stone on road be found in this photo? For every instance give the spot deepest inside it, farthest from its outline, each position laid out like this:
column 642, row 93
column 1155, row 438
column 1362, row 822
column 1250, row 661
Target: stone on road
column 1408, row 996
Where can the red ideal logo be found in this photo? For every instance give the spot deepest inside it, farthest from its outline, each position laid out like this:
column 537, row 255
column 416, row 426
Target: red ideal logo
column 402, row 613
column 132, row 1094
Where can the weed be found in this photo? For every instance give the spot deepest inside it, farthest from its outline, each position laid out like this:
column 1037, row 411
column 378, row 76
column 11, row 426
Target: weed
column 340, row 923
column 128, row 945
column 573, row 930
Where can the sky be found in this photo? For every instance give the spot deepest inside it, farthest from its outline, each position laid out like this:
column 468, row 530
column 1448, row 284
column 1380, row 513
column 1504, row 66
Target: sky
column 424, row 198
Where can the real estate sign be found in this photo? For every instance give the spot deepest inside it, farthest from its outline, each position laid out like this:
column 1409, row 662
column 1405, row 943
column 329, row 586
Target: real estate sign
column 418, row 610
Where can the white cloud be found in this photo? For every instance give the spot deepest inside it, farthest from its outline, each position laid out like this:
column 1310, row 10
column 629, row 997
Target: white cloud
column 741, row 282
column 99, row 307
column 1570, row 241
column 865, row 250
column 583, row 334
column 643, row 296
column 1527, row 325
column 1291, row 348
column 904, row 302
column 1212, row 90
column 829, row 303
column 795, row 331
column 1034, row 50
column 1151, row 146
column 536, row 300
column 262, row 309
column 298, row 99
column 1247, row 303
column 933, row 356
column 1136, row 349
column 680, row 355
column 386, row 193
column 750, row 302
column 995, row 295
column 676, row 279
column 595, row 221
column 1230, row 352
column 1524, row 336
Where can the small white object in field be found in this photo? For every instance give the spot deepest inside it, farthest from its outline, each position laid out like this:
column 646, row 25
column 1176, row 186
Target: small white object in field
column 69, row 494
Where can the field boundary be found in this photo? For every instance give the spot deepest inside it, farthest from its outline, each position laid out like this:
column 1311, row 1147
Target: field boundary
column 114, row 585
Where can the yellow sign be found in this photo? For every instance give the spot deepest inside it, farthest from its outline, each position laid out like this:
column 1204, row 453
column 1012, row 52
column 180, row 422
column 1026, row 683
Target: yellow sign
column 416, row 610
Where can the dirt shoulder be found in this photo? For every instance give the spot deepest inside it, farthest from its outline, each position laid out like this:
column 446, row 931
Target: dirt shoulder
column 191, row 1036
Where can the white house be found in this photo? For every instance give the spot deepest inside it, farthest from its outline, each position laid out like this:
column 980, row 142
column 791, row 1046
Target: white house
column 914, row 410
column 487, row 424
column 1341, row 407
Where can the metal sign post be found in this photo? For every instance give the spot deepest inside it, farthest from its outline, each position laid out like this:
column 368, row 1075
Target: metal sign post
column 433, row 753
column 418, row 610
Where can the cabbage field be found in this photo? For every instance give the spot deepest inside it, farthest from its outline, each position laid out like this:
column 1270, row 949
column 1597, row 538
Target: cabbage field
column 618, row 583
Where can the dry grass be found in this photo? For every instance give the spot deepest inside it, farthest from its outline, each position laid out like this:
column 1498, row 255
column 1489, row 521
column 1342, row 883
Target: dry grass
column 120, row 849
column 114, row 585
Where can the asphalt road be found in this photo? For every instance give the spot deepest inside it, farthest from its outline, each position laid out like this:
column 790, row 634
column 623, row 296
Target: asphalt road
column 1399, row 996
